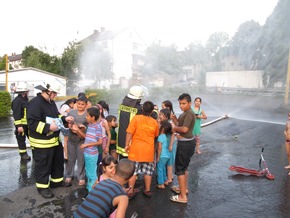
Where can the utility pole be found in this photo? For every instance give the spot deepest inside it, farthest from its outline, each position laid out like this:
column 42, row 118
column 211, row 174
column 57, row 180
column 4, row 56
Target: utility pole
column 7, row 68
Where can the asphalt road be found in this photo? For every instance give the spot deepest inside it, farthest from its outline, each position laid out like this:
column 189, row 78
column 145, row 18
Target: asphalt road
column 214, row 190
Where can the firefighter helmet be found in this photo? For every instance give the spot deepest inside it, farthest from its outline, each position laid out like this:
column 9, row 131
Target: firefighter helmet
column 136, row 92
column 22, row 87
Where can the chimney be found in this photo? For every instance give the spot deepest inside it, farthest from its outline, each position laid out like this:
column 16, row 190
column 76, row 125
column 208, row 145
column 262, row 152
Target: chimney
column 96, row 32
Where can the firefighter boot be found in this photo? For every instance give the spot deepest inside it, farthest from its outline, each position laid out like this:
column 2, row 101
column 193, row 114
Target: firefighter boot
column 25, row 157
column 45, row 192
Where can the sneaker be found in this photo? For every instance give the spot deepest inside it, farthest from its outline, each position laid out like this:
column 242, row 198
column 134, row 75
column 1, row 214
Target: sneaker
column 25, row 157
column 45, row 192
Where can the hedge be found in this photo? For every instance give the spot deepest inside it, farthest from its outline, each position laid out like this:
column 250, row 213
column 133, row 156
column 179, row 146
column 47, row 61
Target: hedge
column 5, row 104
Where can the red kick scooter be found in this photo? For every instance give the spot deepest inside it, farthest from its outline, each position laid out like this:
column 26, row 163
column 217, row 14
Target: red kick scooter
column 252, row 172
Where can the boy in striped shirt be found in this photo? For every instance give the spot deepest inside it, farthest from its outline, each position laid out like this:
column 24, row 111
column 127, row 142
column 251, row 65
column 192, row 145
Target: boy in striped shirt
column 93, row 139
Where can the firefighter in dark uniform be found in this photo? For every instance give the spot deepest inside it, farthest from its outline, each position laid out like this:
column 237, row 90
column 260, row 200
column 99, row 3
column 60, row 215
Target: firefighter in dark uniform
column 18, row 107
column 44, row 137
column 130, row 106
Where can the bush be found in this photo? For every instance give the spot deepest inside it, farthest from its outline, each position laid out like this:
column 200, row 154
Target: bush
column 5, row 104
column 110, row 96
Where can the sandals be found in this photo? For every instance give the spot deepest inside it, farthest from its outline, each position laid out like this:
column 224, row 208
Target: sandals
column 148, row 194
column 133, row 194
column 67, row 182
column 82, row 182
column 160, row 186
column 175, row 198
column 177, row 189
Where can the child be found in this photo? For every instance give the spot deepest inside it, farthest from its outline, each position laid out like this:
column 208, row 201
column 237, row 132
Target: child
column 65, row 108
column 164, row 115
column 92, row 140
column 141, row 133
column 287, row 141
column 199, row 114
column 107, row 168
column 163, row 154
column 112, row 122
column 75, row 140
column 183, row 126
column 104, row 149
column 109, row 194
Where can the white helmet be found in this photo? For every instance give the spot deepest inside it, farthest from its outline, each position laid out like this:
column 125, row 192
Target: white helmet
column 22, row 87
column 53, row 87
column 136, row 92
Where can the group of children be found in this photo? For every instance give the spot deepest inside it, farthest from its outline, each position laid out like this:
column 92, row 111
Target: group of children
column 90, row 138
column 92, row 143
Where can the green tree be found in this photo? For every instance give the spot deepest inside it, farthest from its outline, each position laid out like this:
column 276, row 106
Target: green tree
column 275, row 43
column 245, row 44
column 215, row 45
column 3, row 63
column 33, row 57
column 70, row 63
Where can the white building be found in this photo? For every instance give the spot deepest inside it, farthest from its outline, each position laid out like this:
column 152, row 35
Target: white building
column 125, row 46
column 33, row 77
column 235, row 79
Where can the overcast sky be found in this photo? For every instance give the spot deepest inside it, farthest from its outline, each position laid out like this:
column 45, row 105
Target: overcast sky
column 51, row 24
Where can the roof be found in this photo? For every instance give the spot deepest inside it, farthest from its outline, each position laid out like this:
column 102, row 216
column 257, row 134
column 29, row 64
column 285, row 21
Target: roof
column 15, row 57
column 31, row 68
column 103, row 35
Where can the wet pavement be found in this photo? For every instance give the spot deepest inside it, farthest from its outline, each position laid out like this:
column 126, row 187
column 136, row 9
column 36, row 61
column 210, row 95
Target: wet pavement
column 214, row 190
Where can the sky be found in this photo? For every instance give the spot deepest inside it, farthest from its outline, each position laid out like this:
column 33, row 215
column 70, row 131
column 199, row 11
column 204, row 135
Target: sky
column 51, row 25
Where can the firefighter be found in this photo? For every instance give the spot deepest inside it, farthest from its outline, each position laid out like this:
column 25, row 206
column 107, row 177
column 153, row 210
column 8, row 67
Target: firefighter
column 18, row 107
column 44, row 137
column 130, row 106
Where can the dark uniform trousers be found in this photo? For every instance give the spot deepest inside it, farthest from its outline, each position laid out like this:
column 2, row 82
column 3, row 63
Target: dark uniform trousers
column 49, row 162
column 21, row 139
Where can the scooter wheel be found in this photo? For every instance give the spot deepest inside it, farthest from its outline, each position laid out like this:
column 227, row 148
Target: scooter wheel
column 232, row 168
column 270, row 176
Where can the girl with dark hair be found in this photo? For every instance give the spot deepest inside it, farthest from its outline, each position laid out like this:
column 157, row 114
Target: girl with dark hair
column 106, row 132
column 105, row 106
column 64, row 109
column 163, row 154
column 199, row 114
column 106, row 170
column 167, row 113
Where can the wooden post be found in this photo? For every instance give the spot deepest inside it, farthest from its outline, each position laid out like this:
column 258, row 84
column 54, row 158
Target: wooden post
column 287, row 81
column 7, row 68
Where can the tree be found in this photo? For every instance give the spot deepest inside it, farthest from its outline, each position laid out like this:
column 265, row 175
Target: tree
column 33, row 57
column 3, row 63
column 70, row 63
column 245, row 44
column 196, row 55
column 275, row 43
column 215, row 44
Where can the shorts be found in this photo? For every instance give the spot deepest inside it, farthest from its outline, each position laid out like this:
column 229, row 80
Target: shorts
column 112, row 148
column 185, row 150
column 146, row 168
